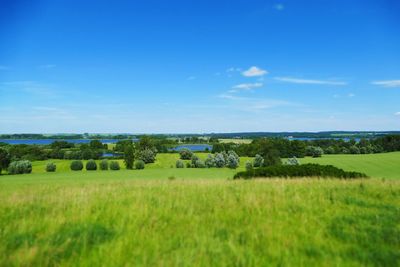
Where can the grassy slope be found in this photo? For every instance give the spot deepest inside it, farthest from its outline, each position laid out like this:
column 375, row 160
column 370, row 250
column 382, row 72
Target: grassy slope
column 385, row 165
column 109, row 219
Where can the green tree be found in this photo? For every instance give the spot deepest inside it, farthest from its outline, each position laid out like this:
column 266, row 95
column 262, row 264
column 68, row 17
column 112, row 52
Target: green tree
column 5, row 159
column 129, row 157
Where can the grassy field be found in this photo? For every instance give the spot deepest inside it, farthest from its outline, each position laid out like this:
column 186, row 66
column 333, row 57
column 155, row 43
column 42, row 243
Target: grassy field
column 235, row 140
column 385, row 165
column 201, row 217
column 88, row 219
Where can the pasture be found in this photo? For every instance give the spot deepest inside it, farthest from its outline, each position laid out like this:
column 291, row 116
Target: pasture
column 163, row 216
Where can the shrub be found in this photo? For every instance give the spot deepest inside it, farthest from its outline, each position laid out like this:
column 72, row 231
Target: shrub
column 329, row 150
column 188, row 165
column 233, row 153
column 232, row 162
column 219, row 160
column 20, row 167
column 305, row 170
column 354, row 150
column 271, row 158
column 147, row 155
column 210, row 161
column 258, row 161
column 139, row 164
column 51, row 167
column 104, row 165
column 293, row 161
column 76, row 165
column 194, row 159
column 180, row 164
column 91, row 165
column 199, row 164
column 185, row 154
column 314, row 151
column 114, row 165
column 249, row 166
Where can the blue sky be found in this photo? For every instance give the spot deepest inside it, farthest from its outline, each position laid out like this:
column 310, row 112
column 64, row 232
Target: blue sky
column 199, row 66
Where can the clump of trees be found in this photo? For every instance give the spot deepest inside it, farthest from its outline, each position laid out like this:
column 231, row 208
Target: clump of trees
column 186, row 154
column 51, row 167
column 76, row 165
column 5, row 159
column 139, row 164
column 114, row 166
column 104, row 165
column 305, row 170
column 314, row 151
column 219, row 160
column 20, row 167
column 91, row 165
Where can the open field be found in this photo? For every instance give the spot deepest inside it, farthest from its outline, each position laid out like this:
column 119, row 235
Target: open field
column 235, row 140
column 88, row 219
column 384, row 165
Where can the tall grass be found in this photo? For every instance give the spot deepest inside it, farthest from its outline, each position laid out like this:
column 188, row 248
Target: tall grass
column 198, row 222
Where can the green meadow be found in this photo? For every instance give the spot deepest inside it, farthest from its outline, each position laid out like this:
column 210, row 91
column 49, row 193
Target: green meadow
column 163, row 216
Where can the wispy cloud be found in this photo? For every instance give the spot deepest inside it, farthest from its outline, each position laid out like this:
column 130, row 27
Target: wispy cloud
column 309, row 81
column 388, row 83
column 47, row 66
column 233, row 69
column 245, row 87
column 254, row 72
column 279, row 7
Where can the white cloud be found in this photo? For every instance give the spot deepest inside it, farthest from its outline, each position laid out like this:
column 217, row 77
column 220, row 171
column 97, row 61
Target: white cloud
column 279, row 7
column 245, row 87
column 389, row 83
column 254, row 72
column 233, row 69
column 308, row 81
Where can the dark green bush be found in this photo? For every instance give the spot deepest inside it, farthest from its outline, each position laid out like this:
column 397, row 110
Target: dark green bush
column 51, row 167
column 139, row 165
column 20, row 167
column 104, row 165
column 305, row 170
column 186, row 154
column 76, row 165
column 91, row 165
column 114, row 165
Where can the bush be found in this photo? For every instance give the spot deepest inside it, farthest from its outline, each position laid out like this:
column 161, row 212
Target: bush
column 199, row 164
column 314, row 151
column 249, row 166
column 179, row 164
column 329, row 150
column 232, row 162
column 354, row 150
column 293, row 161
column 51, row 167
column 104, row 165
column 76, row 165
column 5, row 159
column 20, row 167
column 210, row 161
column 233, row 153
column 305, row 170
column 194, row 159
column 258, row 161
column 91, row 165
column 147, row 155
column 219, row 160
column 185, row 154
column 188, row 165
column 114, row 165
column 139, row 164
